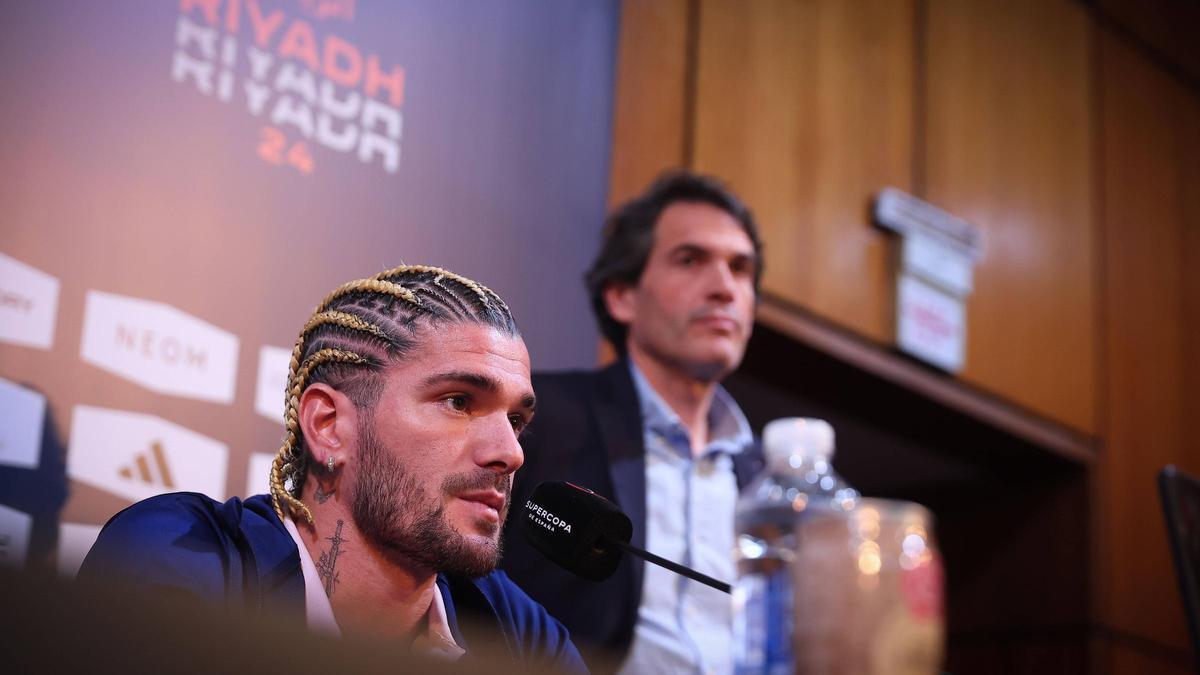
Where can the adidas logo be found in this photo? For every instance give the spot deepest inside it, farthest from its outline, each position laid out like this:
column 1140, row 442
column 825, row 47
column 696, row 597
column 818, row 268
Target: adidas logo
column 136, row 455
column 146, row 465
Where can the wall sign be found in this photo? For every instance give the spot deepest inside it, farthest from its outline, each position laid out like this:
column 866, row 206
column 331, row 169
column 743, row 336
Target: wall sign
column 138, row 456
column 159, row 347
column 22, row 417
column 938, row 256
column 28, row 304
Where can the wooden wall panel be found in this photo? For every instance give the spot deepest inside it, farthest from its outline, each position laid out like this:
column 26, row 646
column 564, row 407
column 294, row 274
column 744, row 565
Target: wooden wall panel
column 1168, row 27
column 1126, row 660
column 649, row 117
column 1188, row 154
column 650, row 109
column 806, row 109
column 1009, row 148
column 1151, row 163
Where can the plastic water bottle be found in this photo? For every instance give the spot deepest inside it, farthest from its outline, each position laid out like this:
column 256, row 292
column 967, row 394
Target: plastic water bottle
column 798, row 477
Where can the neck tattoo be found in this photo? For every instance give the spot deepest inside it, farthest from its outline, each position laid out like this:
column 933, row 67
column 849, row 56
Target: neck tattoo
column 327, row 565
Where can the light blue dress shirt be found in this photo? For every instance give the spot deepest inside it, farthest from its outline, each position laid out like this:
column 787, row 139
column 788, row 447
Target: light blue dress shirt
column 684, row 626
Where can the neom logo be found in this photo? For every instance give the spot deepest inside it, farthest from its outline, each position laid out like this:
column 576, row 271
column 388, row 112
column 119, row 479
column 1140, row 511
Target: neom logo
column 166, row 349
column 16, row 301
column 546, row 517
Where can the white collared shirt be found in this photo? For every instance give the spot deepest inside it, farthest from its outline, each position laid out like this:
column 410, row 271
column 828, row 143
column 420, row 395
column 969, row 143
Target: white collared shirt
column 684, row 626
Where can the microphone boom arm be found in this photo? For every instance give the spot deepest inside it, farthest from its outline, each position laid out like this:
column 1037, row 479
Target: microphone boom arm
column 674, row 567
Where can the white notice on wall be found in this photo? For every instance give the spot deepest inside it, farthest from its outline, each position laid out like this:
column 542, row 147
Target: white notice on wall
column 28, row 304
column 931, row 323
column 22, row 417
column 159, row 347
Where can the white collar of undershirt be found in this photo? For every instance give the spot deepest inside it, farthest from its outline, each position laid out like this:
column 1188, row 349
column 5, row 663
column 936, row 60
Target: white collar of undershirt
column 437, row 638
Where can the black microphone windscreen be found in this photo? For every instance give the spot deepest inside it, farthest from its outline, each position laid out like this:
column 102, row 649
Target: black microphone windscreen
column 573, row 527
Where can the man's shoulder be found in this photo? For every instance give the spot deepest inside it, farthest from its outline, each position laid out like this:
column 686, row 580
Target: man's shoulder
column 162, row 516
column 180, row 539
column 167, row 515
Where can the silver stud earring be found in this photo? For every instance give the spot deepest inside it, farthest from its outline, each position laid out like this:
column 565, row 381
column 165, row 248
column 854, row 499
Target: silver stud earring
column 329, row 463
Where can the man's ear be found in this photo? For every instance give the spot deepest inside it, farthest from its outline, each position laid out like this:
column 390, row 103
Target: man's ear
column 620, row 298
column 329, row 420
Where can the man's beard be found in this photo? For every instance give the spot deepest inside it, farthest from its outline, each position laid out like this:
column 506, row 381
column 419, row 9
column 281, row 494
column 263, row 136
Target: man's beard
column 392, row 508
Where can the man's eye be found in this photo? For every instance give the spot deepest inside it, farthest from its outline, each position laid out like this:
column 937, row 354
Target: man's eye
column 518, row 423
column 742, row 268
column 458, row 402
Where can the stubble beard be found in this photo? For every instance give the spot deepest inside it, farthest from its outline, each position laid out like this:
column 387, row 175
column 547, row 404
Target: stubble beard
column 392, row 509
column 706, row 369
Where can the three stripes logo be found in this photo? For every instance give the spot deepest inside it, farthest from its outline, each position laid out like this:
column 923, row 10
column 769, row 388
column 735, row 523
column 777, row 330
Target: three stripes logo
column 136, row 455
column 149, row 467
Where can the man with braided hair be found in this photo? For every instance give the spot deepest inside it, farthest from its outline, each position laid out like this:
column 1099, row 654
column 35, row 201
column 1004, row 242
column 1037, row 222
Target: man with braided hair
column 405, row 398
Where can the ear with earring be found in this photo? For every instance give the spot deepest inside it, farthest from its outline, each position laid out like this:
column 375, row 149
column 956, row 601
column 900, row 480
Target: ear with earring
column 322, row 495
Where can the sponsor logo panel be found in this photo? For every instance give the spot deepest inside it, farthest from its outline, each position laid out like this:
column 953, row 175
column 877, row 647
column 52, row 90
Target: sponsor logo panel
column 159, row 347
column 28, row 304
column 14, row 537
column 272, row 380
column 136, row 456
column 22, row 416
column 74, row 542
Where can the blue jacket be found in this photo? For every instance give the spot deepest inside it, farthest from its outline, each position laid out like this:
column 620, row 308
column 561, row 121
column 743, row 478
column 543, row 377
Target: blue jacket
column 239, row 554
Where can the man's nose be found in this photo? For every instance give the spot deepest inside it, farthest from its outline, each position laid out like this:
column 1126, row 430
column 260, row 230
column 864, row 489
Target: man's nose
column 722, row 284
column 498, row 448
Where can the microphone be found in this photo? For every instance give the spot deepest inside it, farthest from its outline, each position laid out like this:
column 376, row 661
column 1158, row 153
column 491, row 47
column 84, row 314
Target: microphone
column 586, row 534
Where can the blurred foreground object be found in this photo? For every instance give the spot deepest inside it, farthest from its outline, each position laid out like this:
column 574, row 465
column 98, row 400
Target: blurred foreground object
column 53, row 626
column 1181, row 507
column 869, row 591
column 799, row 475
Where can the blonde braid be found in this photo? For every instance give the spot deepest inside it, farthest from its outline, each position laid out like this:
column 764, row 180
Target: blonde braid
column 345, row 321
column 335, row 318
column 284, row 464
column 371, row 286
column 479, row 289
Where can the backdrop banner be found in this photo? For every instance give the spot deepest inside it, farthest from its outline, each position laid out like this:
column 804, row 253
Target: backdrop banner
column 185, row 180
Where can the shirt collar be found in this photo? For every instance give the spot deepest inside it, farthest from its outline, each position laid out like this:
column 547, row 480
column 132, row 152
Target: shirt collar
column 436, row 639
column 728, row 430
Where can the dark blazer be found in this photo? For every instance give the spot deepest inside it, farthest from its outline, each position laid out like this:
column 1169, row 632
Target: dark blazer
column 588, row 430
column 238, row 554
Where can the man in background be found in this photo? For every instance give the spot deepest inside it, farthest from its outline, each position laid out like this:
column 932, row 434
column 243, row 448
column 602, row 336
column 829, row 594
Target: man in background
column 674, row 290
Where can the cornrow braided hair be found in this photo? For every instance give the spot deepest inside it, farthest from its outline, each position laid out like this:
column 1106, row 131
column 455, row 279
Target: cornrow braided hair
column 355, row 332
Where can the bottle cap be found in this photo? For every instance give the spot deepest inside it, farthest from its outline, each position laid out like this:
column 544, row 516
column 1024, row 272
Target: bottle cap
column 808, row 437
